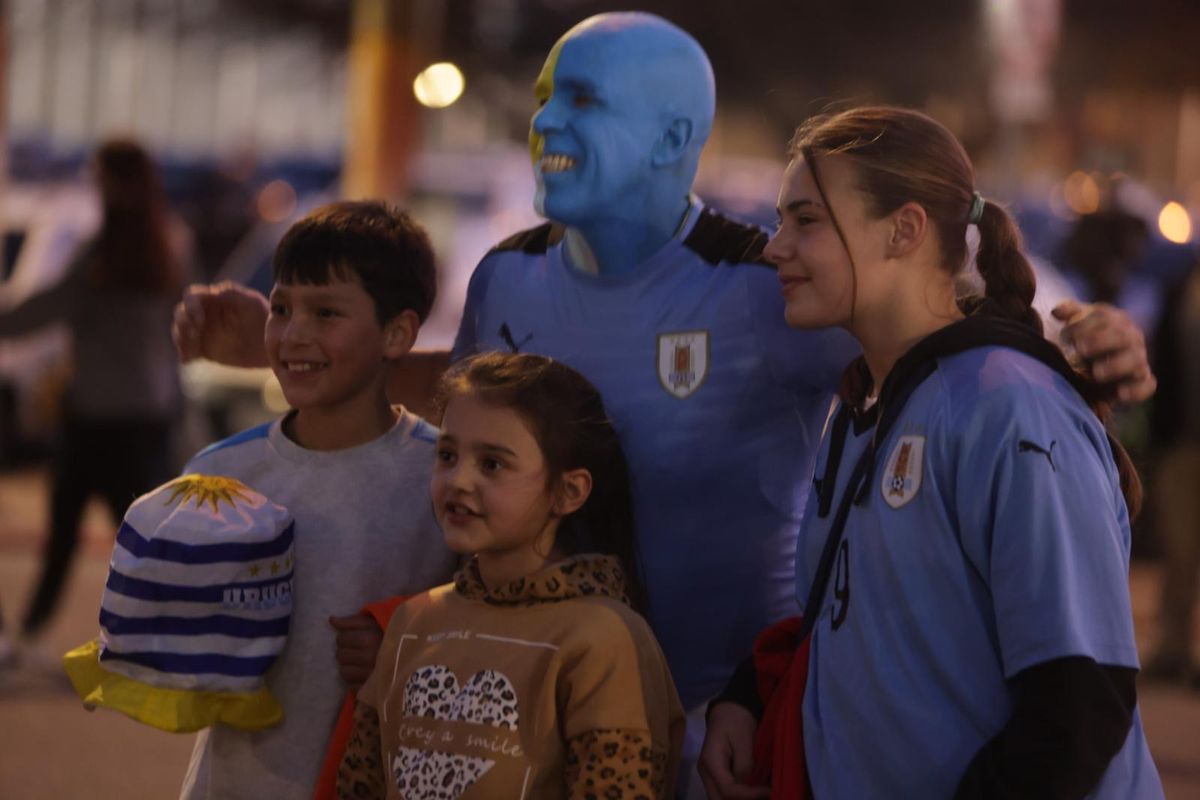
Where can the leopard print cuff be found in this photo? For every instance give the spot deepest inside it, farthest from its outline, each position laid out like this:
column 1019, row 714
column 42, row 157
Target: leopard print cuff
column 360, row 775
column 615, row 764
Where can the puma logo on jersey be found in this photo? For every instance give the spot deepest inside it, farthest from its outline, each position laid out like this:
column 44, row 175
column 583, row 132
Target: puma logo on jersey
column 507, row 336
column 1026, row 446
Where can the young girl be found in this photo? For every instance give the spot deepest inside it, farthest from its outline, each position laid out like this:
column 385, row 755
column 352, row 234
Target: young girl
column 963, row 560
column 531, row 676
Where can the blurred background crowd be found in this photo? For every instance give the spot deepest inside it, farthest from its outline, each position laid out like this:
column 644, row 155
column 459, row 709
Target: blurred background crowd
column 145, row 144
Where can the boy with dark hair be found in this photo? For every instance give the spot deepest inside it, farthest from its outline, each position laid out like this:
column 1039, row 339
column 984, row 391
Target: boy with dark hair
column 353, row 282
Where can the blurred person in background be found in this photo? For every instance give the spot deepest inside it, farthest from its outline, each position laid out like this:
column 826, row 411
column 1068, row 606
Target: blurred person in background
column 1101, row 255
column 221, row 210
column 1175, row 430
column 116, row 296
column 1108, row 255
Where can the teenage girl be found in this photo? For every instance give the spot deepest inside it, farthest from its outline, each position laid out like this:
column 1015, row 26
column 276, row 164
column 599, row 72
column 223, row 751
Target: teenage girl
column 965, row 548
column 531, row 676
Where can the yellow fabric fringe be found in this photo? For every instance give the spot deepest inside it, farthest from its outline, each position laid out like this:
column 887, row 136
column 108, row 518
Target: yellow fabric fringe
column 174, row 710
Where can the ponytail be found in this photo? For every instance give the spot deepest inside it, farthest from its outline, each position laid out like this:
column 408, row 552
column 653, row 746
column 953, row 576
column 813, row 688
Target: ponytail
column 1131, row 482
column 1007, row 275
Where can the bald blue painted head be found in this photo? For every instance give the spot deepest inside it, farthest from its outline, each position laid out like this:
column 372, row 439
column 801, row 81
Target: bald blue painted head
column 626, row 103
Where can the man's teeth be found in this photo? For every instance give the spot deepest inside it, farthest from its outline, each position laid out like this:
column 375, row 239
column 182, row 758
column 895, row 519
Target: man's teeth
column 303, row 366
column 557, row 163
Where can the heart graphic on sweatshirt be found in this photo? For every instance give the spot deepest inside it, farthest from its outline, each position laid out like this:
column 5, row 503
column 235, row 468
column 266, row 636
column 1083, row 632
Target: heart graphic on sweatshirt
column 487, row 698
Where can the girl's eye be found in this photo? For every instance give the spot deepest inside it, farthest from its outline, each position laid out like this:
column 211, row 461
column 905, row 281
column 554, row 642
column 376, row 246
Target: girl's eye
column 326, row 313
column 445, row 456
column 492, row 465
column 278, row 310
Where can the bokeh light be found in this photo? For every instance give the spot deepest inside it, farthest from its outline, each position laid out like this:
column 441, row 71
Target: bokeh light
column 438, row 85
column 1082, row 193
column 276, row 201
column 1175, row 224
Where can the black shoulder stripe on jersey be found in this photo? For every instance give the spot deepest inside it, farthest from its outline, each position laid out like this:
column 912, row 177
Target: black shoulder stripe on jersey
column 534, row 240
column 716, row 238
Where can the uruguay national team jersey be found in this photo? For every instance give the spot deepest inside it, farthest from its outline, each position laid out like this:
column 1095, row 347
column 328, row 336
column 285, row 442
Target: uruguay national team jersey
column 718, row 404
column 994, row 537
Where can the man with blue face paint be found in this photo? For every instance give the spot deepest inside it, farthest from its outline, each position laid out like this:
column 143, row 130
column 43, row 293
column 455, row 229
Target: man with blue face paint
column 626, row 104
column 669, row 308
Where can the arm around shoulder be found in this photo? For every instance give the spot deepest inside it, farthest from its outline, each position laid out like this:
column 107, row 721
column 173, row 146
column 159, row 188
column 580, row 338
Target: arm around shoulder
column 1112, row 346
column 223, row 322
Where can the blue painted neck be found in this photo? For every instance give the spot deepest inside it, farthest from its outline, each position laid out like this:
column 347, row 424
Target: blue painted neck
column 618, row 246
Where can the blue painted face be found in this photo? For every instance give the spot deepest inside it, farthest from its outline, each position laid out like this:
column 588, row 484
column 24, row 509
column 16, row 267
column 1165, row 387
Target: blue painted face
column 593, row 138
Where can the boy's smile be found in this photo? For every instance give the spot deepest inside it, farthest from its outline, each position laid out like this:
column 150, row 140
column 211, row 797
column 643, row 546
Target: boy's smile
column 304, row 366
column 328, row 350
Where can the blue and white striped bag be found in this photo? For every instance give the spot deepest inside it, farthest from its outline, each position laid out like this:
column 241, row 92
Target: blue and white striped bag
column 195, row 610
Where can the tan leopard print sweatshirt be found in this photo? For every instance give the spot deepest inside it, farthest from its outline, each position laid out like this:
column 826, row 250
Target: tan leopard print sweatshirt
column 550, row 687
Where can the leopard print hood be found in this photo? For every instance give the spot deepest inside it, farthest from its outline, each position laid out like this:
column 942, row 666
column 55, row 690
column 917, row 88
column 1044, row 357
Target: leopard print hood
column 579, row 576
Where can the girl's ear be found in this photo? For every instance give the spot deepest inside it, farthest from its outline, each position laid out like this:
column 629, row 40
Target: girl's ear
column 574, row 488
column 910, row 224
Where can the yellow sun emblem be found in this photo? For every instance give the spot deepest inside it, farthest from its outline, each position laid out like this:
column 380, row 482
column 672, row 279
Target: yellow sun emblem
column 211, row 489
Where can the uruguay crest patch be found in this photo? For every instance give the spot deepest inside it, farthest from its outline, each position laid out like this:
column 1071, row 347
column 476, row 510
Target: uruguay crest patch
column 682, row 361
column 902, row 473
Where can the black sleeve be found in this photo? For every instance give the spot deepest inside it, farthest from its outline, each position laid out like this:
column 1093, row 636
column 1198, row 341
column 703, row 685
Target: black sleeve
column 742, row 689
column 1070, row 717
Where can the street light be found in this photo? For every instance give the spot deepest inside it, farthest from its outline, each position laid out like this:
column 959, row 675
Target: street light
column 438, row 85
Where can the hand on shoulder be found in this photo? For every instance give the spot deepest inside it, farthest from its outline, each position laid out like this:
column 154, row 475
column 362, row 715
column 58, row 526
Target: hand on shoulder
column 222, row 322
column 1111, row 345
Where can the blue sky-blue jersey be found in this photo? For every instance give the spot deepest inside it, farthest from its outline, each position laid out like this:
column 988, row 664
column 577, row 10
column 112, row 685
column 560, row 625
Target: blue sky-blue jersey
column 994, row 537
column 719, row 406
